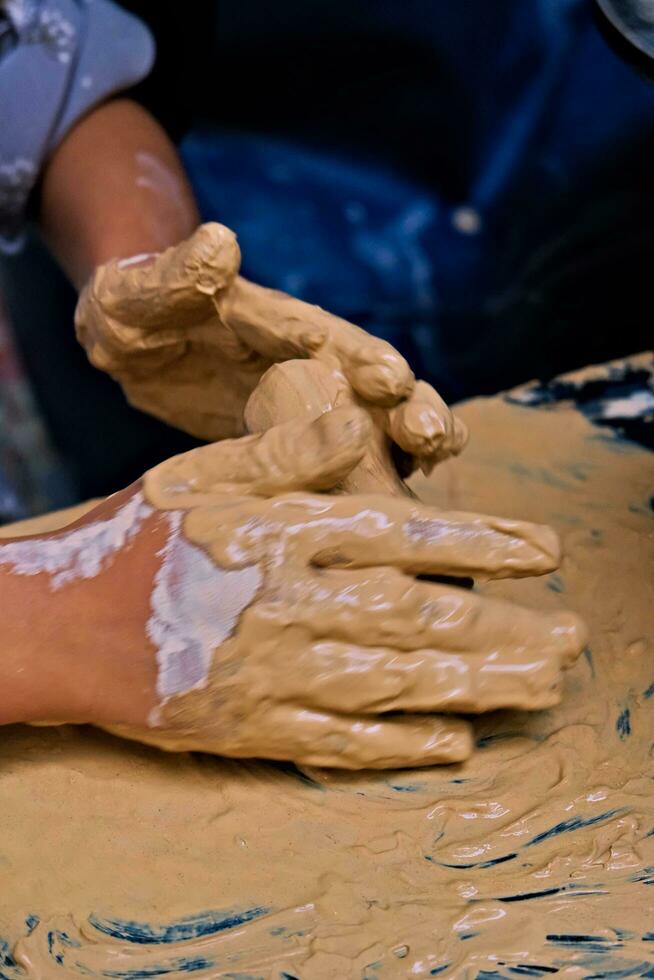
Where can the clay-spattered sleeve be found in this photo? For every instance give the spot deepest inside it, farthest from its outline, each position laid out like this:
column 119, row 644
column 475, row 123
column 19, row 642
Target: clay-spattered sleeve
column 57, row 60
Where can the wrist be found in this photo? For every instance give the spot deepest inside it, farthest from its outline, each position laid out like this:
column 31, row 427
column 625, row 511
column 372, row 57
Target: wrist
column 114, row 187
column 35, row 650
column 74, row 646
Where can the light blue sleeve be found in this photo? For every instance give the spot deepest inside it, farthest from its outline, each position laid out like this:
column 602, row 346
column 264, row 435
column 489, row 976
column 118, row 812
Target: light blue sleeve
column 58, row 58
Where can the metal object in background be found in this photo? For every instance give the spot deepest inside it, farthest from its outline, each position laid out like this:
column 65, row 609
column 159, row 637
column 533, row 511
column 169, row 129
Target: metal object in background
column 628, row 26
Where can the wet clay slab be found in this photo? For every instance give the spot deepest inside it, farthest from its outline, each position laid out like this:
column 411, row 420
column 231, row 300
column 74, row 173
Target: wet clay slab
column 535, row 858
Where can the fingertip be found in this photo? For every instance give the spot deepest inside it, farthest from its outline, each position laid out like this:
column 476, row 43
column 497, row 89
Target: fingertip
column 435, row 740
column 381, row 378
column 424, row 426
column 335, row 443
column 418, row 428
column 455, row 743
column 523, row 548
column 547, row 546
column 571, row 633
column 348, row 426
column 211, row 257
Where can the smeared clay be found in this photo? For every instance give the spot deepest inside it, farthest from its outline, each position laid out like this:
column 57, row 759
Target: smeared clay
column 195, row 607
column 532, row 858
column 79, row 553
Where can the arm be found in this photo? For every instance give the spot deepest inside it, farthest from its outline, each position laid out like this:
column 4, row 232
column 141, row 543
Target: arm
column 114, row 188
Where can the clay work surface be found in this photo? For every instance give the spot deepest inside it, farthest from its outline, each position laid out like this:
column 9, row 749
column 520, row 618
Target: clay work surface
column 534, row 858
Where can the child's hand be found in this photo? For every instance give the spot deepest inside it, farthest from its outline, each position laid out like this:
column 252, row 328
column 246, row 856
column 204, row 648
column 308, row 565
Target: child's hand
column 188, row 339
column 290, row 624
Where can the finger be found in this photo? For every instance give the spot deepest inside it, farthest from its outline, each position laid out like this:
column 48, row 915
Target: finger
column 297, row 455
column 374, row 680
column 392, row 644
column 376, row 371
column 280, row 327
column 273, row 324
column 368, row 530
column 459, row 442
column 383, row 607
column 424, row 426
column 320, row 738
column 175, row 288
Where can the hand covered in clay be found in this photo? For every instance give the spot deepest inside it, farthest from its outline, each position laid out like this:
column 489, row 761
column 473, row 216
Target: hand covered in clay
column 189, row 339
column 291, row 624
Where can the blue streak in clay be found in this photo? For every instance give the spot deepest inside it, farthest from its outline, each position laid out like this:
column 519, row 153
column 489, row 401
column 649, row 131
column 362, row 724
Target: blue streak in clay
column 6, row 959
column 190, row 927
column 487, row 740
column 590, row 944
column 574, row 823
column 31, row 922
column 607, row 973
column 7, row 962
column 291, row 770
column 528, row 896
column 546, row 892
column 175, row 966
column 529, row 970
column 477, row 864
column 623, row 724
column 644, row 877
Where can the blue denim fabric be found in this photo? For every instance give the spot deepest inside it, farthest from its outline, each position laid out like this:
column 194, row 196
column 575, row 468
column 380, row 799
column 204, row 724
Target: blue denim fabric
column 555, row 121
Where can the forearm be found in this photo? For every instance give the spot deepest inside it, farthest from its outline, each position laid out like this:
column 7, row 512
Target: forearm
column 115, row 187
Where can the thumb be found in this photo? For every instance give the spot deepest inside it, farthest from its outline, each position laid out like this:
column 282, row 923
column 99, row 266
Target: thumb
column 298, row 455
column 175, row 287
